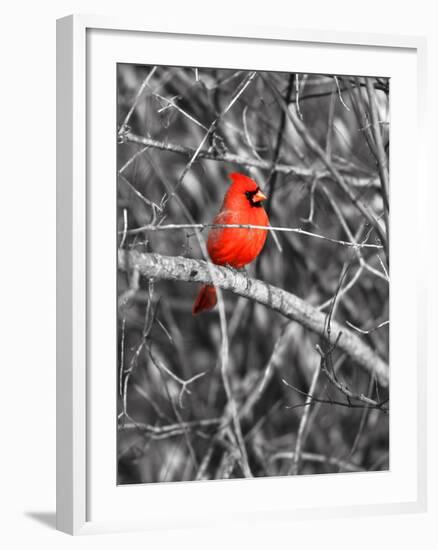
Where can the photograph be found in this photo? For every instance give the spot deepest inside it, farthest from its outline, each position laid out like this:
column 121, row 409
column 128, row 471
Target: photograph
column 253, row 215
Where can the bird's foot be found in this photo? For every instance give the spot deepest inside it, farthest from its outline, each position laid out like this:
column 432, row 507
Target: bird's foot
column 241, row 270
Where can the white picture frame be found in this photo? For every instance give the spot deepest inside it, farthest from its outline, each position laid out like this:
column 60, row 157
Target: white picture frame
column 86, row 503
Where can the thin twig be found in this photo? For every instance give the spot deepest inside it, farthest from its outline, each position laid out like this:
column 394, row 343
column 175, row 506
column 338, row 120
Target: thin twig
column 340, row 93
column 303, row 424
column 125, row 227
column 122, row 358
column 148, row 323
column 171, row 103
column 314, row 457
column 309, row 218
column 297, row 95
column 133, row 158
column 363, row 420
column 201, row 226
column 344, row 224
column 136, row 100
column 255, row 396
column 362, row 331
column 343, row 388
column 329, row 401
column 247, row 136
column 183, row 383
column 241, row 88
column 380, row 150
column 169, row 430
column 330, row 126
column 139, row 195
column 315, row 147
column 242, row 160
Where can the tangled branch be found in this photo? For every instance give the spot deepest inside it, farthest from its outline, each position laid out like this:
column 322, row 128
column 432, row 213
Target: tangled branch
column 299, row 171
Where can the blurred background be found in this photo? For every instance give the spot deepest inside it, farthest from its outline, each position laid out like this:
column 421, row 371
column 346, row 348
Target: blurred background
column 171, row 430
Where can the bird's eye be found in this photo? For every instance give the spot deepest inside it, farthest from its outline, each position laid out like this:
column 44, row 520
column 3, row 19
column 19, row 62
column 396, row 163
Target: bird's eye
column 250, row 194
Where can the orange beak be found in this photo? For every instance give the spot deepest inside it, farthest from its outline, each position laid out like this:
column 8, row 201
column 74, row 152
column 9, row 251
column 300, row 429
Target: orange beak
column 259, row 197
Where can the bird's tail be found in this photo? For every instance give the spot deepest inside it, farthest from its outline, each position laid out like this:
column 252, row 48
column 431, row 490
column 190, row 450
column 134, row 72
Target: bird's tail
column 205, row 300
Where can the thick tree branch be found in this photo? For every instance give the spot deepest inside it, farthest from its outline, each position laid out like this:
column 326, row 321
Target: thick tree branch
column 185, row 269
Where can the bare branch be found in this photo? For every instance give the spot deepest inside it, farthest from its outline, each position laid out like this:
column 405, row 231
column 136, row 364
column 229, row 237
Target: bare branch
column 305, row 173
column 169, row 430
column 310, row 141
column 293, row 470
column 240, row 89
column 313, row 457
column 343, row 388
column 340, row 93
column 369, row 331
column 201, row 226
column 380, row 150
column 136, row 100
column 289, row 305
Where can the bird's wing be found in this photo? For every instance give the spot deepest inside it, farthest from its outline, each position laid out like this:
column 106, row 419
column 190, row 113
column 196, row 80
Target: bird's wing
column 220, row 239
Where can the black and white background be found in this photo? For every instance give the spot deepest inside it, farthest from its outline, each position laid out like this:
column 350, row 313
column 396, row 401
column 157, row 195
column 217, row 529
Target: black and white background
column 303, row 390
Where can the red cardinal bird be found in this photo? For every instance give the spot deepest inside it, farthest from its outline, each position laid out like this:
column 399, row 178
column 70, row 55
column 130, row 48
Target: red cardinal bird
column 235, row 247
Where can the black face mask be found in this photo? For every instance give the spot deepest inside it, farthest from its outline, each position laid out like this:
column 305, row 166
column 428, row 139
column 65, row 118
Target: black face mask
column 250, row 196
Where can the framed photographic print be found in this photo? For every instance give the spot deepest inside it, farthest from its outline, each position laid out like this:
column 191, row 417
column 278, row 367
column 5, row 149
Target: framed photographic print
column 235, row 339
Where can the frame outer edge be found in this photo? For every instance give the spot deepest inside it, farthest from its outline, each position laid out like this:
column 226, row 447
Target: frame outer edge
column 423, row 336
column 245, row 31
column 71, row 399
column 70, row 277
